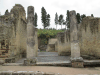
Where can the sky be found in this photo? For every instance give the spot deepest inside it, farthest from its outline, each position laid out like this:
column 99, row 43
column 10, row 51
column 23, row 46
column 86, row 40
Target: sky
column 87, row 7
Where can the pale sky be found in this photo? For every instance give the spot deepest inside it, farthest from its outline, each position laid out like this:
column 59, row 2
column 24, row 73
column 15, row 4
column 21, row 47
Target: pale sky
column 87, row 7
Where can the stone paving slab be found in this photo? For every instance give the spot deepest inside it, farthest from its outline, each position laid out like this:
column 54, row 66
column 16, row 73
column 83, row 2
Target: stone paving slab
column 48, row 57
column 52, row 59
column 47, row 54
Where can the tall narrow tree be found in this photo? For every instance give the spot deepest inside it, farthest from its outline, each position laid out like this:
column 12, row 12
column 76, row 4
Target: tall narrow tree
column 56, row 20
column 83, row 16
column 92, row 15
column 44, row 17
column 35, row 20
column 61, row 20
column 67, row 19
column 48, row 20
column 78, row 18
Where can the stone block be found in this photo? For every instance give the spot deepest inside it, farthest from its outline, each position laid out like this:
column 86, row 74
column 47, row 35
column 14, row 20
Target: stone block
column 49, row 73
column 77, row 64
column 30, row 73
column 78, row 59
column 8, row 60
column 2, row 61
column 6, row 73
column 22, row 72
column 31, row 61
column 15, row 73
column 39, row 73
column 75, row 49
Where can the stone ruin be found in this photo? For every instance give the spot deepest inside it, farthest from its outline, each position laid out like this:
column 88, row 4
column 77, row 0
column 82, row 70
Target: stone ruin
column 32, row 46
column 51, row 45
column 13, row 34
column 88, row 33
column 18, row 37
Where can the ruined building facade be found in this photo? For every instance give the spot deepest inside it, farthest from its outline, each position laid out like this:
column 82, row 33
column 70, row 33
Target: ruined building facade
column 89, row 38
column 13, row 34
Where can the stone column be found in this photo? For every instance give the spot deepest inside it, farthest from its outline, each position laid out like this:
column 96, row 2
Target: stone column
column 31, row 50
column 76, row 60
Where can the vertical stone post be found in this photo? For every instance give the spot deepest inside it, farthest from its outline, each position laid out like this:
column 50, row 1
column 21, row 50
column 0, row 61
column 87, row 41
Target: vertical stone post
column 76, row 60
column 31, row 50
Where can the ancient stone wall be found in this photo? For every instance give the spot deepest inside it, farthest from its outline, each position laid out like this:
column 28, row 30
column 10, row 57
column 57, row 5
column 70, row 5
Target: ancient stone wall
column 89, row 41
column 63, row 43
column 89, row 32
column 51, row 45
column 13, row 33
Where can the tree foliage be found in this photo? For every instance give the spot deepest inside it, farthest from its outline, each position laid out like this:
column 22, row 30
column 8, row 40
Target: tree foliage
column 44, row 17
column 83, row 16
column 78, row 18
column 67, row 19
column 61, row 20
column 48, row 20
column 35, row 20
column 56, row 20
column 92, row 15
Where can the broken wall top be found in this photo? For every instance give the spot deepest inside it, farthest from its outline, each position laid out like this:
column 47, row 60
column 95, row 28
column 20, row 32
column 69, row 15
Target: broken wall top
column 92, row 22
column 18, row 11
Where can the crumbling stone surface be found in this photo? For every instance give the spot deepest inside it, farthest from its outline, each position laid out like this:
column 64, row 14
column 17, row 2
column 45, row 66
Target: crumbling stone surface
column 26, row 73
column 75, row 49
column 63, row 47
column 32, row 45
column 51, row 45
column 2, row 61
column 77, row 64
column 13, row 33
column 88, row 34
column 30, row 61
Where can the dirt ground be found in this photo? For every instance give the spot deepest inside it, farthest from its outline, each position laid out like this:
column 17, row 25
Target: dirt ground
column 61, row 70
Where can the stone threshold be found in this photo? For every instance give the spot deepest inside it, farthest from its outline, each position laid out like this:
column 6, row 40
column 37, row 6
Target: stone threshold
column 65, row 63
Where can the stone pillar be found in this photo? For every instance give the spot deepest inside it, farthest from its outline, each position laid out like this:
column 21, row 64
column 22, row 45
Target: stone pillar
column 31, row 50
column 76, row 60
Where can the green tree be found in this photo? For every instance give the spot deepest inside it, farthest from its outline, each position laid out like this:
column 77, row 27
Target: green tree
column 92, row 15
column 44, row 17
column 78, row 18
column 48, row 20
column 67, row 19
column 61, row 20
column 82, row 16
column 56, row 20
column 6, row 12
column 35, row 20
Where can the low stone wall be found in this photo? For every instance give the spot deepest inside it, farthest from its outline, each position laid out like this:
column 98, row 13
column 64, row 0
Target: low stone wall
column 63, row 43
column 88, row 35
column 26, row 73
column 51, row 45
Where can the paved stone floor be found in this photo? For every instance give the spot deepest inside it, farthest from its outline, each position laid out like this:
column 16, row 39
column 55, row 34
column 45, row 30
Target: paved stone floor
column 49, row 57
